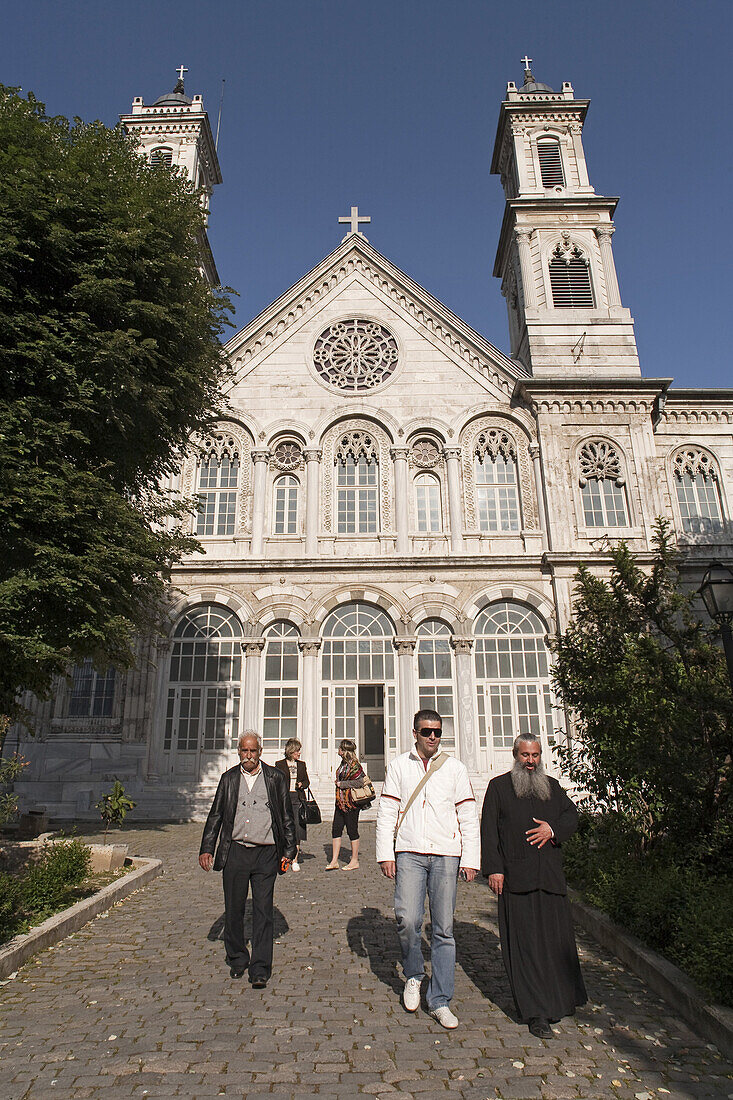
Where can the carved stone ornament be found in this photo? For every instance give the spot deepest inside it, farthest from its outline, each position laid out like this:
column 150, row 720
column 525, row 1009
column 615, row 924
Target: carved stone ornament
column 357, row 438
column 425, row 454
column 355, row 355
column 567, row 251
column 490, row 435
column 696, row 463
column 287, row 456
column 599, row 459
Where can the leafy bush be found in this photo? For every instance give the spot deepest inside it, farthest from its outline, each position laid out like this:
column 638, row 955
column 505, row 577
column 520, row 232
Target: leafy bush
column 46, row 887
column 680, row 910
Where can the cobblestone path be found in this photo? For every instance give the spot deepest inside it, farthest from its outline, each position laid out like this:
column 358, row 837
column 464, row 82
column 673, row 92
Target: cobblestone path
column 140, row 1003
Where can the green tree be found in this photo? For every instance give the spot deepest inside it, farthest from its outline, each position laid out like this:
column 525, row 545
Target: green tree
column 648, row 693
column 110, row 358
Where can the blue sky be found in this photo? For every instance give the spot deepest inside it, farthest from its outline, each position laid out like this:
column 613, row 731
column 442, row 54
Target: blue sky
column 392, row 106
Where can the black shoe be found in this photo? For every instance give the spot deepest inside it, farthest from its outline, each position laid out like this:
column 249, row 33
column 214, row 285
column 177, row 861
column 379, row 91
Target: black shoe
column 540, row 1027
column 236, row 971
column 259, row 983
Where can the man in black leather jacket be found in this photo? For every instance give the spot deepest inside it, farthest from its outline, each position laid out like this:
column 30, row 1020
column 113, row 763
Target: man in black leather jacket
column 252, row 818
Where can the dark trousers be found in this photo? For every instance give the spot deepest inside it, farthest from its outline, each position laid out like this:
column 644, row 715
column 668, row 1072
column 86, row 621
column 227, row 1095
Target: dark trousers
column 245, row 867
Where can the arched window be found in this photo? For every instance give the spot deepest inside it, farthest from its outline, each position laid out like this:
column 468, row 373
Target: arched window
column 203, row 697
column 512, row 674
column 285, row 505
column 92, row 693
column 698, row 491
column 217, row 493
column 357, row 484
column 357, row 644
column 602, row 485
column 550, row 158
column 570, row 277
column 162, row 157
column 435, row 675
column 280, row 720
column 427, row 503
column 495, row 472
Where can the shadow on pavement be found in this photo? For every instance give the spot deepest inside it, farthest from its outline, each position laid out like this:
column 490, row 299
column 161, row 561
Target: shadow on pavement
column 478, row 953
column 372, row 935
column 280, row 925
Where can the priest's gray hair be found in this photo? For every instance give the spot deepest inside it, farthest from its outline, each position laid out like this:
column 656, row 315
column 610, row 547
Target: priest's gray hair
column 525, row 739
column 249, row 733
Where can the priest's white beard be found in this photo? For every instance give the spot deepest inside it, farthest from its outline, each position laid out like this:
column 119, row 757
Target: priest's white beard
column 530, row 784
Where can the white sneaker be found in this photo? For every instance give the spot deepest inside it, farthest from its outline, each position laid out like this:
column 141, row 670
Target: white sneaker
column 444, row 1016
column 411, row 994
column 295, row 866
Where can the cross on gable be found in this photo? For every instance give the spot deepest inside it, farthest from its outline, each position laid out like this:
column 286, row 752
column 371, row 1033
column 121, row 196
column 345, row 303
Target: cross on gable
column 354, row 220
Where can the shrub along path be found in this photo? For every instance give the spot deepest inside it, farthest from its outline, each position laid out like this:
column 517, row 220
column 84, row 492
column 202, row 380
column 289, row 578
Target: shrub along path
column 140, row 1003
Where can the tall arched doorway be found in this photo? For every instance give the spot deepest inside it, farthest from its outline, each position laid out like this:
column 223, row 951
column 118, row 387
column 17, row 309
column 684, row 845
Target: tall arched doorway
column 202, row 713
column 358, row 698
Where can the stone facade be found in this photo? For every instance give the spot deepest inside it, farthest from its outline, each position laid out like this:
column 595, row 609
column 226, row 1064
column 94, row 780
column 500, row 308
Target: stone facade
column 392, row 510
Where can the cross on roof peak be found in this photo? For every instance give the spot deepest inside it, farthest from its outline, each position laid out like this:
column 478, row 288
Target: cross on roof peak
column 353, row 219
column 526, row 61
column 181, row 70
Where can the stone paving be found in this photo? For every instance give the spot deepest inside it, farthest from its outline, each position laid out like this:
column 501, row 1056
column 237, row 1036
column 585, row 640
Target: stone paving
column 140, row 1003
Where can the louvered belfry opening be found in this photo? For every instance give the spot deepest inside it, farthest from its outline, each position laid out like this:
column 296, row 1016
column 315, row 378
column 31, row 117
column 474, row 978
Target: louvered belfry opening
column 161, row 157
column 570, row 280
column 550, row 164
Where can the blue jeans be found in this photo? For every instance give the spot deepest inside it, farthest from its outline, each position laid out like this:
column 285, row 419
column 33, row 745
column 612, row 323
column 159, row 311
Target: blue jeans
column 438, row 877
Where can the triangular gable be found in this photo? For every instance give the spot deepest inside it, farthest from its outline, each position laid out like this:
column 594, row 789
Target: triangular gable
column 355, row 256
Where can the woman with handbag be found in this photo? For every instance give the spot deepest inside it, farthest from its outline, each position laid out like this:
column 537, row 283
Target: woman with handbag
column 349, row 776
column 296, row 773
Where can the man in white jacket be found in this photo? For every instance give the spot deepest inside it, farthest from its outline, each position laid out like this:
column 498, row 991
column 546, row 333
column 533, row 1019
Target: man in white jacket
column 427, row 797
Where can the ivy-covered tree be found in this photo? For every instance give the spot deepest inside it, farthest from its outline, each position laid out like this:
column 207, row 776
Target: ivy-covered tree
column 109, row 358
column 650, row 702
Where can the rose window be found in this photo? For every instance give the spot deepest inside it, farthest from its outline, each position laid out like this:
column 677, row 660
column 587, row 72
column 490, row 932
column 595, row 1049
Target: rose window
column 287, row 456
column 425, row 453
column 355, row 355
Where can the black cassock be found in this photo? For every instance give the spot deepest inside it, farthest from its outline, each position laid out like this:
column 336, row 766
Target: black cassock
column 536, row 928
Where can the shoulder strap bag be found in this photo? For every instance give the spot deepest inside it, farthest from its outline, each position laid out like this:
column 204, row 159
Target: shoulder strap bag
column 415, row 794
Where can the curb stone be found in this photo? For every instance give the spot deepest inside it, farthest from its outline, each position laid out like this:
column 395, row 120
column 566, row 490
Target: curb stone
column 713, row 1022
column 57, row 927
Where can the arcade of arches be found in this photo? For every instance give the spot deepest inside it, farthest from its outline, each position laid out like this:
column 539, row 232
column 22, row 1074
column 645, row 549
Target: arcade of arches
column 358, row 678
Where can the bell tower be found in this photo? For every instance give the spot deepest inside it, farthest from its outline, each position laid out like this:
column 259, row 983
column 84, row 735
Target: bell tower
column 175, row 130
column 555, row 257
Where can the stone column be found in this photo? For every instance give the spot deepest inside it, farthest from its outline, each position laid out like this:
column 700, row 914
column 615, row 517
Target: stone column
column 534, row 454
column 522, row 234
column 405, row 647
column 259, row 457
column 310, row 722
column 312, row 499
column 455, row 512
column 520, row 146
column 467, row 734
column 252, row 711
column 160, row 668
column 604, row 234
column 402, row 512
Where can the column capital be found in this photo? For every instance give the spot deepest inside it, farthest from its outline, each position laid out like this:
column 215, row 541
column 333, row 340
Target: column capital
column 312, row 454
column 309, row 646
column 451, row 453
column 523, row 232
column 399, row 452
column 461, row 644
column 253, row 646
column 404, row 644
column 604, row 231
column 534, row 450
column 260, row 454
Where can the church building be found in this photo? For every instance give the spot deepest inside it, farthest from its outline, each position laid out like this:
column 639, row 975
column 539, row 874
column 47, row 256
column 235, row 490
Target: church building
column 392, row 510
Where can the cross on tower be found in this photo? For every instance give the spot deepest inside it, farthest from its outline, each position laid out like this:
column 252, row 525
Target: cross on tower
column 526, row 61
column 181, row 70
column 354, row 219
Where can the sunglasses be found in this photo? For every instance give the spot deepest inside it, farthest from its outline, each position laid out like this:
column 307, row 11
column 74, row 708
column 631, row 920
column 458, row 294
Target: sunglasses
column 426, row 731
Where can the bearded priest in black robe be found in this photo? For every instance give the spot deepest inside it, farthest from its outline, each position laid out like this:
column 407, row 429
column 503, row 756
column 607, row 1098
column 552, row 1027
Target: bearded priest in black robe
column 526, row 817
